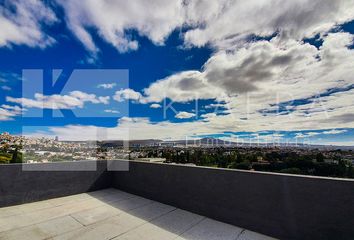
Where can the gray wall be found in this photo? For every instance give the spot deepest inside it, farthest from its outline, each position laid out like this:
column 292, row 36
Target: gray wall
column 287, row 207
column 282, row 206
column 33, row 182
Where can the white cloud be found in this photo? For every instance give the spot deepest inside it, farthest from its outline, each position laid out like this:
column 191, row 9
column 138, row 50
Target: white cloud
column 248, row 77
column 6, row 88
column 258, row 67
column 75, row 99
column 262, row 74
column 215, row 106
column 155, row 105
column 101, row 99
column 184, row 115
column 309, row 71
column 300, row 135
column 130, row 128
column 127, row 94
column 142, row 128
column 266, row 138
column 312, row 134
column 154, row 19
column 208, row 115
column 291, row 19
column 7, row 112
column 181, row 87
column 111, row 111
column 107, row 85
column 9, row 77
column 21, row 23
column 334, row 131
column 307, row 134
column 208, row 22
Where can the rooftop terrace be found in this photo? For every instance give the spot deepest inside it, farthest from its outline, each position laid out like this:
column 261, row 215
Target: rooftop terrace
column 111, row 214
column 140, row 200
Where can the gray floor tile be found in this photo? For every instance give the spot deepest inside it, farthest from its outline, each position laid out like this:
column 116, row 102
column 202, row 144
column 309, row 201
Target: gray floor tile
column 111, row 214
column 211, row 230
column 249, row 235
column 91, row 216
column 43, row 230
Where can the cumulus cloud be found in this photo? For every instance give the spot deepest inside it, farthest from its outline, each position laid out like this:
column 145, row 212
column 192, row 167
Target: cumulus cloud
column 266, row 75
column 307, row 134
column 107, row 85
column 75, row 99
column 21, row 23
column 181, row 87
column 334, row 131
column 130, row 128
column 184, row 115
column 260, row 63
column 214, row 106
column 142, row 128
column 7, row 112
column 154, row 19
column 111, row 111
column 262, row 66
column 327, row 132
column 127, row 94
column 206, row 21
column 155, row 105
column 307, row 77
column 101, row 99
column 208, row 115
column 290, row 19
column 267, row 138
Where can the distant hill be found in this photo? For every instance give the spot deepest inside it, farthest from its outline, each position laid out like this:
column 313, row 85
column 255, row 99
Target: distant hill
column 209, row 142
column 202, row 141
column 120, row 143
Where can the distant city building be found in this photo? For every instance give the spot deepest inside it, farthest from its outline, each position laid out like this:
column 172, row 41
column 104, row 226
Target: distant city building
column 155, row 160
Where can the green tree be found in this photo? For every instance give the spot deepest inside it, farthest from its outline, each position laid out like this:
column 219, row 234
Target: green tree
column 319, row 157
column 245, row 165
column 16, row 156
column 350, row 171
column 291, row 170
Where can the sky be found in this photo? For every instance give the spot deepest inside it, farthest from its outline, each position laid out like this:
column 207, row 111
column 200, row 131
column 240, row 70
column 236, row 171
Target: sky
column 259, row 71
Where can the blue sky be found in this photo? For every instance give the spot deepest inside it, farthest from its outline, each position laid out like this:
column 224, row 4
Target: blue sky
column 178, row 70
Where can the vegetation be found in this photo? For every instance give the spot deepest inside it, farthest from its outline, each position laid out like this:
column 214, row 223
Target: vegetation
column 11, row 156
column 307, row 162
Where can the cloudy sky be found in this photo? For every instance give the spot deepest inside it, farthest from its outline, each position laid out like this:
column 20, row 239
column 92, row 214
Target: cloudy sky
column 259, row 70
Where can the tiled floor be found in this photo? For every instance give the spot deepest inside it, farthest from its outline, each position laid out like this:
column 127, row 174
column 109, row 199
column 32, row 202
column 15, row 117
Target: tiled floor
column 111, row 214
